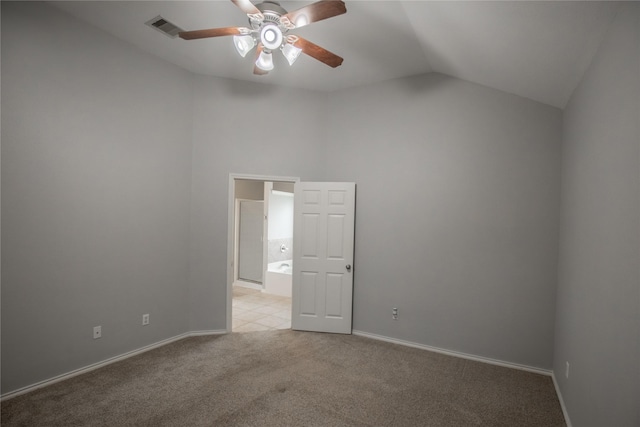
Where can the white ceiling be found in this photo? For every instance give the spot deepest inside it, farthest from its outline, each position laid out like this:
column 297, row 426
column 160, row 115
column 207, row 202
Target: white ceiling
column 538, row 50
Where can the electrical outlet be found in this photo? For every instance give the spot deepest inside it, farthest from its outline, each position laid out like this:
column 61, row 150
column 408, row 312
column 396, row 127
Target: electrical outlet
column 566, row 371
column 394, row 313
column 145, row 319
column 97, row 332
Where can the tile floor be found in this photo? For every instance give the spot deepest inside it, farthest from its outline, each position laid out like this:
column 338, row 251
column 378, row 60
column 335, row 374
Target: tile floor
column 254, row 311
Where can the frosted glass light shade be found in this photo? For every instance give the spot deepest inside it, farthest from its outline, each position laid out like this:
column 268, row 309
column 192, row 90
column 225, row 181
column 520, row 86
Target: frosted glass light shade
column 271, row 36
column 243, row 44
column 265, row 61
column 291, row 52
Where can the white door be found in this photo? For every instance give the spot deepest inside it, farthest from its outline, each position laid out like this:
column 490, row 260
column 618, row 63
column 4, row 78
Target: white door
column 323, row 233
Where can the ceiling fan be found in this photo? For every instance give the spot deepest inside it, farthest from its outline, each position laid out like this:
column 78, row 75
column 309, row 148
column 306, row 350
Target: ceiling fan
column 269, row 23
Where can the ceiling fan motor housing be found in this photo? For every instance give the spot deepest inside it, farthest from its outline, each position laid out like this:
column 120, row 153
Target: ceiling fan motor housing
column 271, row 7
column 271, row 29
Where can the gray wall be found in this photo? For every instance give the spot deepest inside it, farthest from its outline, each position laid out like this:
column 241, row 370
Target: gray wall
column 457, row 214
column 282, row 135
column 598, row 304
column 96, row 170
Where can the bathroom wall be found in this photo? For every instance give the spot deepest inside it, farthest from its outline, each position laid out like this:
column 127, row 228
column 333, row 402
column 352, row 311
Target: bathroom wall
column 280, row 230
column 283, row 186
column 249, row 190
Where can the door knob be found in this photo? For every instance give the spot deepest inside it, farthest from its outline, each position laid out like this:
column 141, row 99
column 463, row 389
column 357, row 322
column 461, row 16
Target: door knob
column 348, row 267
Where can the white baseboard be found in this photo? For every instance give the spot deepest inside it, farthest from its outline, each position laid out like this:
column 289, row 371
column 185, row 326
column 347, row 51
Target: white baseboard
column 456, row 354
column 106, row 362
column 203, row 333
column 564, row 408
column 535, row 370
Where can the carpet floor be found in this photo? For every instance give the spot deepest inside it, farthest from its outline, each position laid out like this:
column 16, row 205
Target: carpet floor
column 290, row 378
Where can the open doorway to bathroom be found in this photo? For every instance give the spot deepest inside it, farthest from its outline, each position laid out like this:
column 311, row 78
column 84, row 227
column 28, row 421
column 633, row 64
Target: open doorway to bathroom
column 262, row 243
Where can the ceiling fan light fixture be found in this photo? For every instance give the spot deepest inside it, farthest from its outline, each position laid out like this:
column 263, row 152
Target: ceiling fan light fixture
column 265, row 61
column 301, row 20
column 269, row 23
column 243, row 44
column 271, row 36
column 291, row 52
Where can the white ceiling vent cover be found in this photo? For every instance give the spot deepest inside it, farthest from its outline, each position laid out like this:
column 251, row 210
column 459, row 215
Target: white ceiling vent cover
column 164, row 26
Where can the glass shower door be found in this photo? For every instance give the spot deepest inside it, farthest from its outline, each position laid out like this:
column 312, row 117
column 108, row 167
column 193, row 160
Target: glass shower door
column 250, row 245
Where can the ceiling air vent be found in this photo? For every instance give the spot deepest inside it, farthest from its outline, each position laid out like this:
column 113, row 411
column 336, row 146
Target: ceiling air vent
column 164, row 26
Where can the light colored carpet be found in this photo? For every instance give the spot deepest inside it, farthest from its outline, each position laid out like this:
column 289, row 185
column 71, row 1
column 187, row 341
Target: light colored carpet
column 289, row 378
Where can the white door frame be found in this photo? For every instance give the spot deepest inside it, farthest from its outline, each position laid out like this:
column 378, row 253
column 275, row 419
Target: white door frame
column 231, row 243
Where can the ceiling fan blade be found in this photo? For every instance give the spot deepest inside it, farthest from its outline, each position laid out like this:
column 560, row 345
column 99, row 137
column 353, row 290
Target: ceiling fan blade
column 257, row 70
column 247, row 7
column 315, row 12
column 319, row 53
column 213, row 32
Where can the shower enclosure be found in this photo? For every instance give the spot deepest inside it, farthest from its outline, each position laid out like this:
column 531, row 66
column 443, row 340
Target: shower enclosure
column 250, row 242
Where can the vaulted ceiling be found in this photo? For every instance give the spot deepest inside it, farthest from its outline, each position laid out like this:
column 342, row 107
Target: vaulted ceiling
column 538, row 50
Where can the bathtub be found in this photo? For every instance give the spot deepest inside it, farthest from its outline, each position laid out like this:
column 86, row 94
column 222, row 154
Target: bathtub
column 278, row 278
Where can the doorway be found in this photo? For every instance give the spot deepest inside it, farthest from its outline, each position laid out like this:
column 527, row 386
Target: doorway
column 257, row 294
